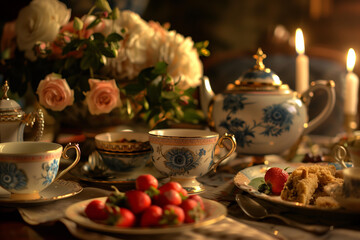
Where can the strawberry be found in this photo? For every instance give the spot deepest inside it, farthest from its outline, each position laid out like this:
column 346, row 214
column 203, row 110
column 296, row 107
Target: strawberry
column 275, row 179
column 170, row 186
column 193, row 211
column 169, row 197
column 146, row 181
column 120, row 217
column 151, row 216
column 173, row 215
column 198, row 199
column 95, row 210
column 137, row 201
column 183, row 193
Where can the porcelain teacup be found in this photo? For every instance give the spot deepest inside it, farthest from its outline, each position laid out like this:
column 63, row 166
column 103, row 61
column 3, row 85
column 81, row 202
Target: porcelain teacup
column 185, row 154
column 26, row 168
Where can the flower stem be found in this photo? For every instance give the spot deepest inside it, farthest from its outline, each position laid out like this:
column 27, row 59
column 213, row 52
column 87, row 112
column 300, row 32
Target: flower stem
column 91, row 70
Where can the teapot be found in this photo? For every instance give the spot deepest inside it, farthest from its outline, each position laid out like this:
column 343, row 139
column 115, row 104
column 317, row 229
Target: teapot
column 264, row 115
column 13, row 119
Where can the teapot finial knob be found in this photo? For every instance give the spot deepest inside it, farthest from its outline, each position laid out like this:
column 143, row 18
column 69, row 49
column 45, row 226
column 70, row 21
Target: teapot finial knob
column 259, row 57
column 5, row 89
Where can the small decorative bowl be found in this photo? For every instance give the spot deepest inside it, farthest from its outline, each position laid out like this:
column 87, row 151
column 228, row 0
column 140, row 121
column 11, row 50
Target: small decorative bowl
column 125, row 162
column 122, row 142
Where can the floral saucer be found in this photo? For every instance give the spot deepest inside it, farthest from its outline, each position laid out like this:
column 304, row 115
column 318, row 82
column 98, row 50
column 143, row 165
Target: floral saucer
column 84, row 173
column 59, row 189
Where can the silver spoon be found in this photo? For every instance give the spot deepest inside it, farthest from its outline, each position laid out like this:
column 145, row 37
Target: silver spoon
column 96, row 164
column 254, row 210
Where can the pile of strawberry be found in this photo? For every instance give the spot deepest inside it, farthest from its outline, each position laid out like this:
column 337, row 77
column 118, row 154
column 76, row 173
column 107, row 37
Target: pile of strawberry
column 148, row 206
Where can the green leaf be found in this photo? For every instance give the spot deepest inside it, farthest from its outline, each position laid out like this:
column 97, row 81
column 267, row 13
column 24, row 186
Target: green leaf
column 169, row 95
column 133, row 89
column 192, row 115
column 114, row 37
column 160, row 68
column 94, row 23
column 154, row 94
column 69, row 62
column 72, row 46
column 146, row 76
column 107, row 52
column 86, row 62
column 98, row 37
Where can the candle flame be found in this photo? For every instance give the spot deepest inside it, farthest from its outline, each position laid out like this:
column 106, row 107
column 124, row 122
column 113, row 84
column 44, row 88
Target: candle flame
column 351, row 59
column 299, row 41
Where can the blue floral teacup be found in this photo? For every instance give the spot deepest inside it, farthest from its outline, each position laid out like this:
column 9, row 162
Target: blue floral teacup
column 26, row 168
column 185, row 154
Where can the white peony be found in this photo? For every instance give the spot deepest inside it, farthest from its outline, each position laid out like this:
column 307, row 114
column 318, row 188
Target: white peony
column 146, row 44
column 132, row 55
column 183, row 59
column 40, row 21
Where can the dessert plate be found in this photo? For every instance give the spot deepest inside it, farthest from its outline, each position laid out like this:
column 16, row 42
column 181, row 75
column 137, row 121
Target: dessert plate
column 250, row 178
column 214, row 212
column 57, row 190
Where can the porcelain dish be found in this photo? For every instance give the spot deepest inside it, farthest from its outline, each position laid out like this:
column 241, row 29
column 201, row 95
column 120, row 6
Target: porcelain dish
column 250, row 178
column 59, row 189
column 214, row 212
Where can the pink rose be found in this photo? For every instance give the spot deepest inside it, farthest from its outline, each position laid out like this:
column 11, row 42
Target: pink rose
column 103, row 96
column 54, row 93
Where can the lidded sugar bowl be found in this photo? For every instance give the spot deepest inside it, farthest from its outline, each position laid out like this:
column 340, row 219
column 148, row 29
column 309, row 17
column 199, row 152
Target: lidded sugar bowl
column 13, row 119
column 264, row 114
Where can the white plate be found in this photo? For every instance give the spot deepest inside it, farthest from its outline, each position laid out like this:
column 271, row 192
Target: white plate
column 57, row 190
column 247, row 178
column 214, row 213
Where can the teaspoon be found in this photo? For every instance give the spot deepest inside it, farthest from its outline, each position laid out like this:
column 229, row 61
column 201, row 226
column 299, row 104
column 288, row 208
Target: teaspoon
column 254, row 210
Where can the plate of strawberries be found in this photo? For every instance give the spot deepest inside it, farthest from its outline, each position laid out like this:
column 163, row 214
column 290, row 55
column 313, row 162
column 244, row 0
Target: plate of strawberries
column 147, row 209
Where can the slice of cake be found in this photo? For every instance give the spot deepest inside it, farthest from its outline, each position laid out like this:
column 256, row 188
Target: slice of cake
column 307, row 183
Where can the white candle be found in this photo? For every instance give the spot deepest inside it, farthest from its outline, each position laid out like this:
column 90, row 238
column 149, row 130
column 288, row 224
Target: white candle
column 302, row 64
column 351, row 85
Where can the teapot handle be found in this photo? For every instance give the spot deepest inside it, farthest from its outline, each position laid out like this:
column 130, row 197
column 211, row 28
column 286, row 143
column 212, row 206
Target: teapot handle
column 329, row 87
column 37, row 117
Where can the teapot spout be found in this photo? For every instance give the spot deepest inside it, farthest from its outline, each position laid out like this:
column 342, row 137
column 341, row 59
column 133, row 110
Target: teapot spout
column 206, row 94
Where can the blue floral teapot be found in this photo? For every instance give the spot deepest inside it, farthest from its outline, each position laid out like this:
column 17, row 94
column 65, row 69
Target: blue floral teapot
column 265, row 116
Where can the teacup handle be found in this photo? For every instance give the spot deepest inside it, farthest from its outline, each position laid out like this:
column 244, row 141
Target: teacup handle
column 329, row 87
column 340, row 153
column 64, row 155
column 220, row 142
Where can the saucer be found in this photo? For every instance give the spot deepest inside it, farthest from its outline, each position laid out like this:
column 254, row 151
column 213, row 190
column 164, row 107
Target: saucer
column 57, row 190
column 84, row 173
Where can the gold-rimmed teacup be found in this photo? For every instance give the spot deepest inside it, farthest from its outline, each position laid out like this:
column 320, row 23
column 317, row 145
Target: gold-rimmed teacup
column 26, row 168
column 185, row 154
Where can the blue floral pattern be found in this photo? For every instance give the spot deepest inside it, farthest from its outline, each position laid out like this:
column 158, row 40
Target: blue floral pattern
column 50, row 171
column 11, row 177
column 182, row 160
column 276, row 119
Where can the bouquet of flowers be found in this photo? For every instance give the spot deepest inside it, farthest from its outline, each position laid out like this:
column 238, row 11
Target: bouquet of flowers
column 106, row 60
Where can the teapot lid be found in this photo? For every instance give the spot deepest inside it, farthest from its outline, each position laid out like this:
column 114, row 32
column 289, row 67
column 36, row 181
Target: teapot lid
column 259, row 78
column 10, row 110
